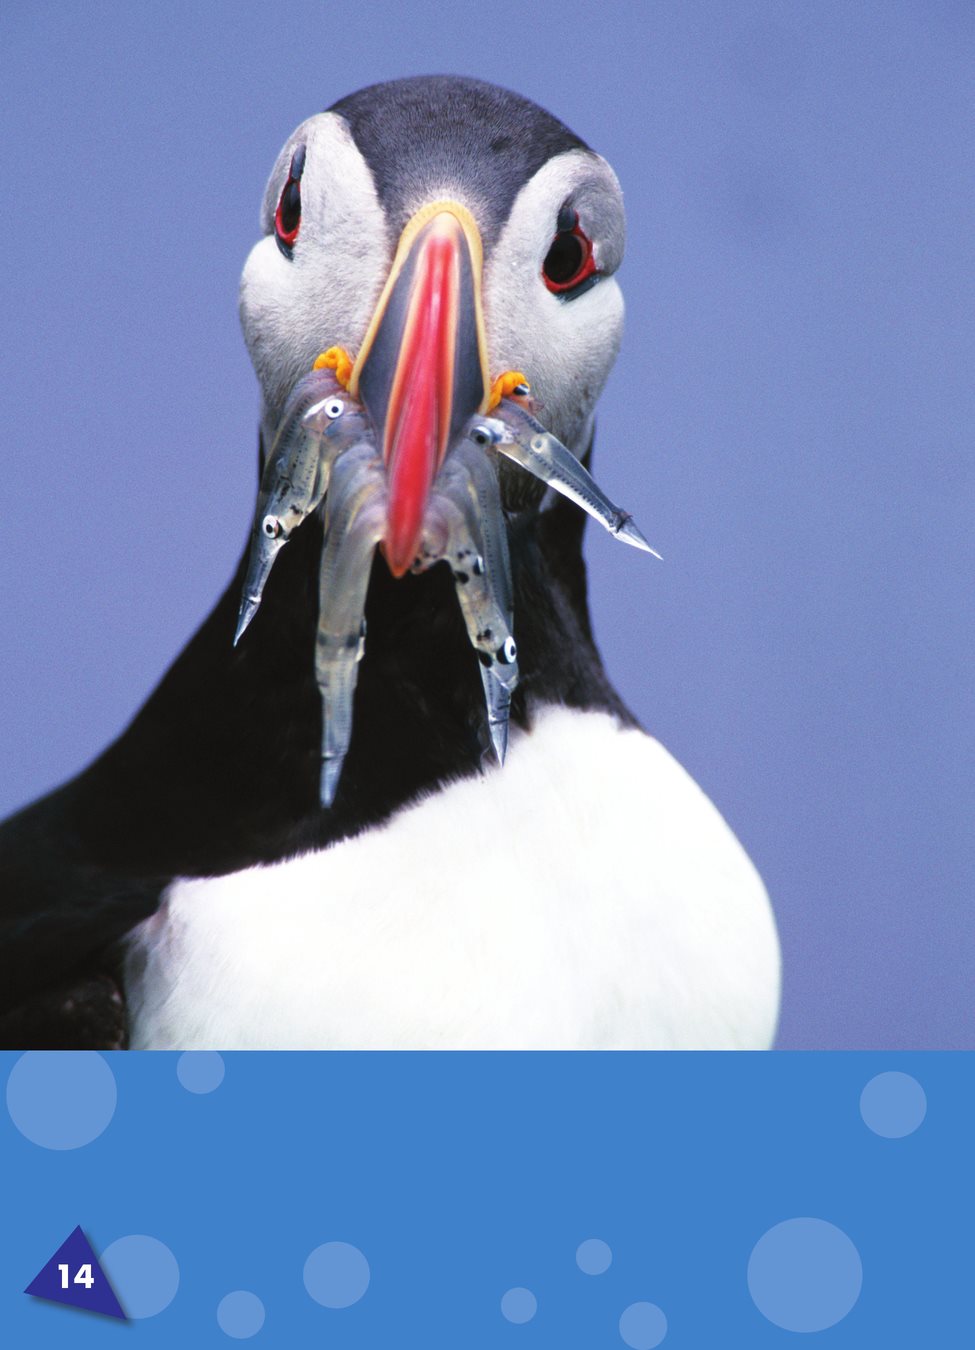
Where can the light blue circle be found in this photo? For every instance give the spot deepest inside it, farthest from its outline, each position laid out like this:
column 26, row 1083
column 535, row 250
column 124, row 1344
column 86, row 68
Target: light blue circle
column 336, row 1275
column 143, row 1272
column 240, row 1314
column 593, row 1257
column 200, row 1070
column 804, row 1275
column 519, row 1305
column 642, row 1326
column 893, row 1104
column 61, row 1099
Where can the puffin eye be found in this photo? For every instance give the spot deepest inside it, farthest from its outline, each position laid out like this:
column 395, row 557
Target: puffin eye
column 569, row 267
column 287, row 218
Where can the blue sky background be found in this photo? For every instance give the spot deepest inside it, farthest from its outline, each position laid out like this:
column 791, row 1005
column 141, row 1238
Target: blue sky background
column 790, row 419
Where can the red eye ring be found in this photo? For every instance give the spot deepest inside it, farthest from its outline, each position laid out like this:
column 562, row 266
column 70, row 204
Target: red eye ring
column 287, row 217
column 569, row 261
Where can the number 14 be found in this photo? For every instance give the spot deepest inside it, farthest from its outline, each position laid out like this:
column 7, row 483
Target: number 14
column 84, row 1276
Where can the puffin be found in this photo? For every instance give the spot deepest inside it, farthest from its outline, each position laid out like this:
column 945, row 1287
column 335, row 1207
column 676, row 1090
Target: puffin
column 387, row 796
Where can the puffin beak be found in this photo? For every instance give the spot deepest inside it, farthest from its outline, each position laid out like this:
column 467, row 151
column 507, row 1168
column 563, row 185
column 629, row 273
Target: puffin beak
column 422, row 370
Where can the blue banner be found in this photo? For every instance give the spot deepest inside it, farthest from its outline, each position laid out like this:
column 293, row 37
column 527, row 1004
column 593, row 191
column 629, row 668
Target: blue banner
column 490, row 1200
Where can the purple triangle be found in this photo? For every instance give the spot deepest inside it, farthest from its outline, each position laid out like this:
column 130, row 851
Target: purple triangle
column 58, row 1282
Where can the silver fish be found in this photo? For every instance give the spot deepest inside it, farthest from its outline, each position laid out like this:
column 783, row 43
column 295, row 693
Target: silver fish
column 355, row 520
column 513, row 432
column 319, row 422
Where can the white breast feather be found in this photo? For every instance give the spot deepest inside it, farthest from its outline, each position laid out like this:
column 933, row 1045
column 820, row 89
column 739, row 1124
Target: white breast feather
column 585, row 896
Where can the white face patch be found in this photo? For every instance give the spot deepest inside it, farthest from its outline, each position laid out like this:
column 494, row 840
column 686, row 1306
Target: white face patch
column 291, row 309
column 566, row 347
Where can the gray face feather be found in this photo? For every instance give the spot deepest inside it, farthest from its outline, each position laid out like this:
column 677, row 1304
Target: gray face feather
column 378, row 156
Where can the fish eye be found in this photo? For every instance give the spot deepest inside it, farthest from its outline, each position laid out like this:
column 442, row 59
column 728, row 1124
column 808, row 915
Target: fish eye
column 334, row 407
column 509, row 652
column 287, row 218
column 271, row 526
column 569, row 266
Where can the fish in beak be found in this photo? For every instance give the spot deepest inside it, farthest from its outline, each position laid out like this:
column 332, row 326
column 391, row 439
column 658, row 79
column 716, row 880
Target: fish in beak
column 400, row 447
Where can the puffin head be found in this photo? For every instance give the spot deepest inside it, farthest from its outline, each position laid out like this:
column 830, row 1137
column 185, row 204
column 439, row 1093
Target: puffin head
column 437, row 270
column 534, row 216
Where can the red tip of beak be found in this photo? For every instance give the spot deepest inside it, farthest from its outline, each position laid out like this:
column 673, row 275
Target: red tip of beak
column 421, row 398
